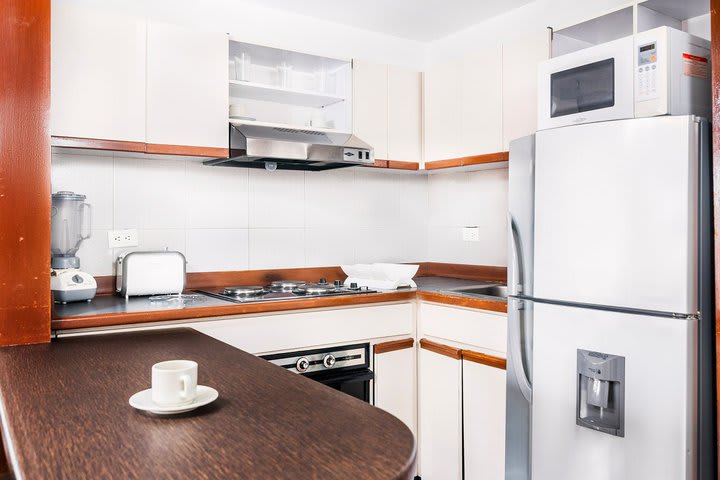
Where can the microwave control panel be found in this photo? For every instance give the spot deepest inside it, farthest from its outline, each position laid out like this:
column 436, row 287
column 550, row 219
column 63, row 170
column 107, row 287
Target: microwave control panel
column 647, row 72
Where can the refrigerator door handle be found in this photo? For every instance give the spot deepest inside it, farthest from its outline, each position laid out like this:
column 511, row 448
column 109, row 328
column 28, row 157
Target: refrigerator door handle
column 518, row 277
column 515, row 337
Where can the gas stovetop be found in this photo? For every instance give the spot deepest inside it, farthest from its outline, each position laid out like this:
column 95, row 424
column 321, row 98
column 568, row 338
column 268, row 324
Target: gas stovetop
column 286, row 290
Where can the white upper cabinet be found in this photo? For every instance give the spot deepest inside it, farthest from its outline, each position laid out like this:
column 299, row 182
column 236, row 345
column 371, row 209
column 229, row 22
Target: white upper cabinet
column 442, row 106
column 370, row 110
column 404, row 114
column 97, row 74
column 481, row 102
column 187, row 95
column 520, row 64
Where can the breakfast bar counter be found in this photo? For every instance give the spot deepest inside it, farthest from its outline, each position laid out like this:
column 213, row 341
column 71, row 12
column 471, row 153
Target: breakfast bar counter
column 65, row 414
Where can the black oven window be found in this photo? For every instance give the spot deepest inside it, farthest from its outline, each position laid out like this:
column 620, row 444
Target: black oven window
column 581, row 89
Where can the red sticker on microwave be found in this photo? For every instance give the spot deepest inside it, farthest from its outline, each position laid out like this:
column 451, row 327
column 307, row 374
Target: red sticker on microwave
column 694, row 66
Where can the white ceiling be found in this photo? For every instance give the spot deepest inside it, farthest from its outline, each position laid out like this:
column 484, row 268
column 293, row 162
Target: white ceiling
column 422, row 20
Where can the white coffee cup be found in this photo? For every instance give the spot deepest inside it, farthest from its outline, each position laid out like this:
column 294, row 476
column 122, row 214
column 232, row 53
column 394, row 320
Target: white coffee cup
column 174, row 382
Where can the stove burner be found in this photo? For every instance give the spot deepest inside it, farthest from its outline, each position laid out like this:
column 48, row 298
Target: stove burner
column 314, row 289
column 244, row 291
column 286, row 285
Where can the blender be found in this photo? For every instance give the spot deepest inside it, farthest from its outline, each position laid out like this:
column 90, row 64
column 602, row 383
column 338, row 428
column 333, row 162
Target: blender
column 70, row 225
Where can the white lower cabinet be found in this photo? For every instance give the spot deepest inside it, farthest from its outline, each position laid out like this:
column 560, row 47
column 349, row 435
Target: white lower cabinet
column 395, row 384
column 483, row 390
column 440, row 445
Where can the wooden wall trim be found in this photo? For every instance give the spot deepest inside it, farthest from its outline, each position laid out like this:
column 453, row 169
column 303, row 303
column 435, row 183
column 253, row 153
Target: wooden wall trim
column 25, row 172
column 393, row 345
column 484, row 359
column 466, row 161
column 98, row 144
column 440, row 348
column 106, row 284
column 463, row 272
column 189, row 150
column 715, row 58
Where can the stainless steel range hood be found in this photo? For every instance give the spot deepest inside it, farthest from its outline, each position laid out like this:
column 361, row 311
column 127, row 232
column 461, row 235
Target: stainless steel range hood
column 257, row 145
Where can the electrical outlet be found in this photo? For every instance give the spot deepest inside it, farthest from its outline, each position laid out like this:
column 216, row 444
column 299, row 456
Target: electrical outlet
column 123, row 238
column 471, row 234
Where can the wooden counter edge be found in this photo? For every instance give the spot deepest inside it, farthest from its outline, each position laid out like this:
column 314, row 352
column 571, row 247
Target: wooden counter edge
column 393, row 345
column 459, row 301
column 112, row 319
column 484, row 359
column 442, row 349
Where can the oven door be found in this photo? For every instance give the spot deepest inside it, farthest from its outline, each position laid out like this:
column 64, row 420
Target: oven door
column 356, row 383
column 591, row 85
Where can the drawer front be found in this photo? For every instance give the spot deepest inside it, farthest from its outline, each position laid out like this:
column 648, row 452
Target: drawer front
column 481, row 328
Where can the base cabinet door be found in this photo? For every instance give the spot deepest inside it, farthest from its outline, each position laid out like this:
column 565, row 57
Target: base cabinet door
column 440, row 416
column 483, row 421
column 395, row 383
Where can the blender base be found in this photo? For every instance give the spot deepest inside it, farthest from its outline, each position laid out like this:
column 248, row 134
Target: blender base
column 72, row 285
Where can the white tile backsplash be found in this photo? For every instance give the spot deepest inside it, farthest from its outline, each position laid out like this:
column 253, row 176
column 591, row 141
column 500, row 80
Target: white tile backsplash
column 277, row 248
column 235, row 219
column 214, row 250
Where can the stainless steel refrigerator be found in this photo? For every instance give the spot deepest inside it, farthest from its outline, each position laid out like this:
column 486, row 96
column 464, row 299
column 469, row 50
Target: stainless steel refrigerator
column 611, row 318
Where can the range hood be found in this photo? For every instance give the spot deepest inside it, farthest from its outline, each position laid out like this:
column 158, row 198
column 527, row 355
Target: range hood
column 270, row 146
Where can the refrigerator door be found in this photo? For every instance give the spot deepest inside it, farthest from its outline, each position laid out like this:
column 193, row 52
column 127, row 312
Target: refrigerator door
column 618, row 193
column 519, row 352
column 659, row 398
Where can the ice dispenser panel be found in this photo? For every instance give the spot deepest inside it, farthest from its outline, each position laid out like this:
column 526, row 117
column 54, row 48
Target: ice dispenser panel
column 601, row 392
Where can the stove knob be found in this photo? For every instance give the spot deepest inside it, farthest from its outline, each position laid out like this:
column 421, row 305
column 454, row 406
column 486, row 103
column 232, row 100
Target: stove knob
column 302, row 364
column 338, row 284
column 353, row 286
column 323, row 281
column 329, row 360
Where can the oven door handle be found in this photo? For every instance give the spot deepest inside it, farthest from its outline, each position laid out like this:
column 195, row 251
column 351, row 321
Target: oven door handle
column 352, row 376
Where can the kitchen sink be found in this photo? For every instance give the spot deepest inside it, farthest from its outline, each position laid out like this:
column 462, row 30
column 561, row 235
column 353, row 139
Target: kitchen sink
column 488, row 290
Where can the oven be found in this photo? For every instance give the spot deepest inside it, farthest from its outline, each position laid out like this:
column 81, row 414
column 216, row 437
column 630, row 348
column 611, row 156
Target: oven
column 345, row 368
column 662, row 71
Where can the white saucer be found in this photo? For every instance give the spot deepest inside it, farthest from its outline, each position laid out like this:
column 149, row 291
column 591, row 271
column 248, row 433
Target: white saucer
column 143, row 401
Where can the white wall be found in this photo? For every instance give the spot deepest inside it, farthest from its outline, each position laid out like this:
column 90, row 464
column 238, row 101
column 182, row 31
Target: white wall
column 225, row 218
column 265, row 26
column 464, row 199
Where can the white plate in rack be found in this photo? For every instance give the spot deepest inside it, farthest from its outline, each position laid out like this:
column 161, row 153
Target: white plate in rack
column 143, row 401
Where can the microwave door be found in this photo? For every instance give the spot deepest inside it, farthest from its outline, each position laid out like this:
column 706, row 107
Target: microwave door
column 592, row 85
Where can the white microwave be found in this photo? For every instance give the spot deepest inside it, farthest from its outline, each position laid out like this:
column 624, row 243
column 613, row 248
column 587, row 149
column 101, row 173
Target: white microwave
column 662, row 71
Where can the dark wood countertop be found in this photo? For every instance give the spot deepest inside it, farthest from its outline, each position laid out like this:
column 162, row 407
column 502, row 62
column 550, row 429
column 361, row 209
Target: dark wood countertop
column 65, row 414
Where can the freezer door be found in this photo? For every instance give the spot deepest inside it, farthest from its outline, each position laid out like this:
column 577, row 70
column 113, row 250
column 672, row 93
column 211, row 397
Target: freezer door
column 521, row 212
column 659, row 439
column 616, row 214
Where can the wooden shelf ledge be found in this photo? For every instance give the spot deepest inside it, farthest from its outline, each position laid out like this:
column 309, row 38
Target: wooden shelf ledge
column 468, row 161
column 395, row 165
column 138, row 147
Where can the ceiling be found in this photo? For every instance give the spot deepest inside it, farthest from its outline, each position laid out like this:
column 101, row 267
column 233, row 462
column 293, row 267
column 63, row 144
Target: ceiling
column 422, row 20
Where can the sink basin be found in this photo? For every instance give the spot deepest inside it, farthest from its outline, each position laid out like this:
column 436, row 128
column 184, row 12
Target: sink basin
column 488, row 290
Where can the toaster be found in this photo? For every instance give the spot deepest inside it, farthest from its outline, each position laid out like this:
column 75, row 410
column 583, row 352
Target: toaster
column 150, row 273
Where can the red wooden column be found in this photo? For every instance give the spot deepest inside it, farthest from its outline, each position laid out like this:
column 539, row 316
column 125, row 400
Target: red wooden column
column 715, row 32
column 24, row 172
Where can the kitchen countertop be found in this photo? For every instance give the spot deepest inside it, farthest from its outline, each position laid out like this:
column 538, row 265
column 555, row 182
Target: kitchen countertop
column 106, row 310
column 65, row 414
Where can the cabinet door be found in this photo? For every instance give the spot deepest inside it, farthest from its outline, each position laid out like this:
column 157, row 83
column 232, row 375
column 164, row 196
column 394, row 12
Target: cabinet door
column 370, row 104
column 441, row 107
column 404, row 114
column 97, row 74
column 440, row 416
column 395, row 384
column 187, row 87
column 483, row 421
column 520, row 64
column 481, row 102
